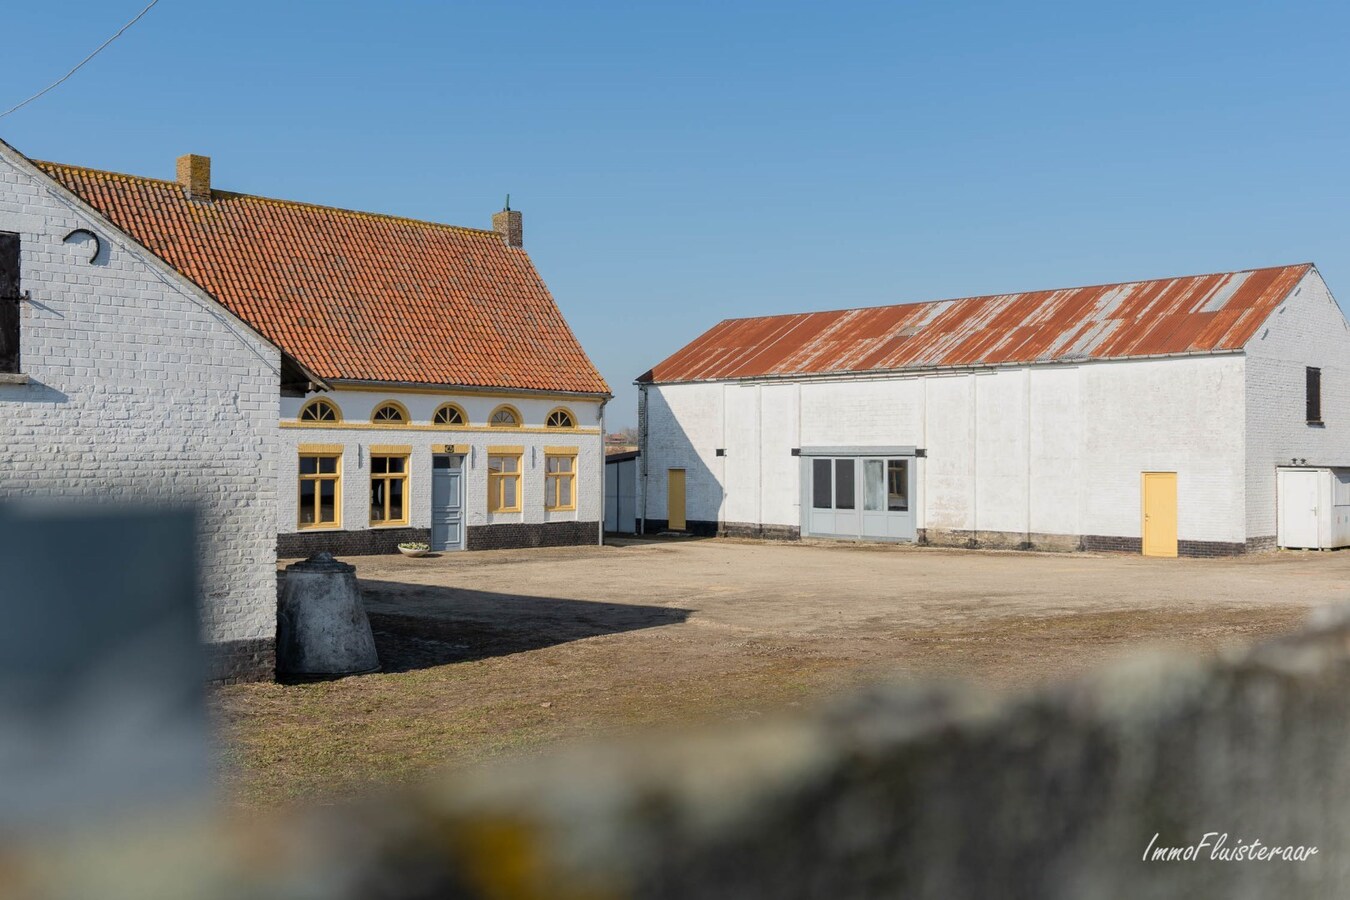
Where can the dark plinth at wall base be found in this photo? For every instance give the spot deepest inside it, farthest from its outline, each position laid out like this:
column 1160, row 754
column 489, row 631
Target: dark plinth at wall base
column 692, row 528
column 363, row 542
column 1105, row 543
column 1211, row 548
column 236, row 662
column 524, row 535
column 1262, row 544
column 760, row 532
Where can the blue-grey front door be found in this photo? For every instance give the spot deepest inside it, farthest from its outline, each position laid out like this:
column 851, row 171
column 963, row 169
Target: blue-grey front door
column 447, row 502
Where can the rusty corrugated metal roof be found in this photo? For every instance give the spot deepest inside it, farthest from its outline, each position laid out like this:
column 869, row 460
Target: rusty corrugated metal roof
column 1193, row 314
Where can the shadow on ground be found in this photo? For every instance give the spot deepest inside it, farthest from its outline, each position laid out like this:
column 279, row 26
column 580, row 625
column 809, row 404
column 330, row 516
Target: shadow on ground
column 419, row 626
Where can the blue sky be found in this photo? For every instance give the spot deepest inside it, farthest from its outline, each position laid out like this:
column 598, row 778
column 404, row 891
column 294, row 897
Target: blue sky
column 681, row 163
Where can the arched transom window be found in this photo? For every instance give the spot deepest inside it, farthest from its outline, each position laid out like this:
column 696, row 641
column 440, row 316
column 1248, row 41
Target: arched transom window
column 390, row 413
column 561, row 418
column 449, row 414
column 320, row 411
column 504, row 417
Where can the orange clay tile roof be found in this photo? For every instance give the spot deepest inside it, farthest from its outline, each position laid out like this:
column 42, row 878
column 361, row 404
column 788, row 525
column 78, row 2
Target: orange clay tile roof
column 1196, row 314
column 356, row 296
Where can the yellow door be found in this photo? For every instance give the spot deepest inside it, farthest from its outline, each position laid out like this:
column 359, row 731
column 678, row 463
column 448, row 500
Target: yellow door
column 675, row 499
column 1160, row 513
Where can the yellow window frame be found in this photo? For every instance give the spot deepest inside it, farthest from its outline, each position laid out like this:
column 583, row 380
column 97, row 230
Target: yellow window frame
column 497, row 482
column 315, row 404
column 571, row 418
column 388, row 478
column 393, row 404
column 505, row 407
column 316, row 479
column 554, row 482
column 450, row 407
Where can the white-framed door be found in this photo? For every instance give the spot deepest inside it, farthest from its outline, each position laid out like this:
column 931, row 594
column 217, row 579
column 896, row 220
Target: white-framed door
column 865, row 497
column 1299, row 513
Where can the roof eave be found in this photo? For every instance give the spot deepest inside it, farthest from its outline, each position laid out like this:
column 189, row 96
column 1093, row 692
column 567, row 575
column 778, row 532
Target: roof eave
column 339, row 383
column 861, row 375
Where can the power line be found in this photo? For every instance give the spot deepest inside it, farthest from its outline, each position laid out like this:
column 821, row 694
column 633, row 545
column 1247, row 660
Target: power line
column 66, row 77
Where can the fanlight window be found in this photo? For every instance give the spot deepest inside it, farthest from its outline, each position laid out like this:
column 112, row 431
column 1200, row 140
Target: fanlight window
column 391, row 413
column 449, row 414
column 319, row 411
column 560, row 418
column 504, row 417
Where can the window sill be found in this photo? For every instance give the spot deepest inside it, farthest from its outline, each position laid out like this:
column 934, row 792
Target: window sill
column 13, row 378
column 332, row 527
column 386, row 525
column 560, row 509
column 509, row 512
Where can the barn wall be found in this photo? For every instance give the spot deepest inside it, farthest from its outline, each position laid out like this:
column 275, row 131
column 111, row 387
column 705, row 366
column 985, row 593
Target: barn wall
column 1309, row 329
column 1045, row 455
column 141, row 390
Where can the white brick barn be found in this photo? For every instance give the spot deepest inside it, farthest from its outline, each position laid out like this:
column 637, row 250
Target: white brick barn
column 122, row 380
column 1150, row 417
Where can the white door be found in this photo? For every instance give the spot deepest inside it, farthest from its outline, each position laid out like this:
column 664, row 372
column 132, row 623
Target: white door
column 1297, row 524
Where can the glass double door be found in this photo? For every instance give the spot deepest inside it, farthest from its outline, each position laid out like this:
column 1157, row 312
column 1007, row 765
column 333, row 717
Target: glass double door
column 860, row 497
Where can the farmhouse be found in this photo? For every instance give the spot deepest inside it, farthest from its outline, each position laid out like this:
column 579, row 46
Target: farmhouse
column 1154, row 416
column 431, row 391
column 308, row 378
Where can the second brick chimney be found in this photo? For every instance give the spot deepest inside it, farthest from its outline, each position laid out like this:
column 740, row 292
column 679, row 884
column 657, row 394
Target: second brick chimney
column 508, row 224
column 194, row 174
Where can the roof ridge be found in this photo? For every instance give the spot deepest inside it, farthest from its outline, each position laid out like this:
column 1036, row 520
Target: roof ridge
column 278, row 201
column 1080, row 287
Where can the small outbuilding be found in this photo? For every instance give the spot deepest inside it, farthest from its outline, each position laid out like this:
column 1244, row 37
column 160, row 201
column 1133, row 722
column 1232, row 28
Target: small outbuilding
column 1150, row 416
column 621, row 477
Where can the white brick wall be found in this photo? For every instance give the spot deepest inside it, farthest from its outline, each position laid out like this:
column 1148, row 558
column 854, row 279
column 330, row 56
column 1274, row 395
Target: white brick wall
column 141, row 390
column 1047, row 449
column 358, row 406
column 1307, row 330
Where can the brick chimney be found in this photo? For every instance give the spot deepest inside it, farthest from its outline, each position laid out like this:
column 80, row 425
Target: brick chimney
column 194, row 174
column 507, row 223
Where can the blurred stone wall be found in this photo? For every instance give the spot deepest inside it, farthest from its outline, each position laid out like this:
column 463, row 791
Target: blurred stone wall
column 940, row 792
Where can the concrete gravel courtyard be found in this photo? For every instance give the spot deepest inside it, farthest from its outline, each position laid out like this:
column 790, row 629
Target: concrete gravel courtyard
column 502, row 652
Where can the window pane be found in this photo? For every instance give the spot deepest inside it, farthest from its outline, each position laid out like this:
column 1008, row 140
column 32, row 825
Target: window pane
column 328, row 465
column 327, row 500
column 843, row 484
column 306, row 503
column 440, row 462
column 897, row 479
column 551, row 490
column 309, row 465
column 396, row 463
column 1314, row 394
column 377, row 501
column 396, row 499
column 510, row 463
column 566, row 498
column 379, row 465
column 495, row 463
column 509, row 492
column 874, row 485
column 821, row 490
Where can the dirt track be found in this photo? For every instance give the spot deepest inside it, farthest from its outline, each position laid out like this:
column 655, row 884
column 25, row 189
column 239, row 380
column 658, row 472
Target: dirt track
column 493, row 653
